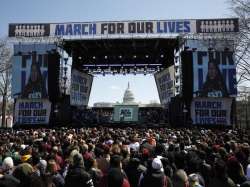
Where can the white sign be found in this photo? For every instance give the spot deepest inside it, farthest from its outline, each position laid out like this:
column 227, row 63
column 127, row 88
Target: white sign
column 81, row 84
column 32, row 111
column 211, row 111
column 165, row 81
column 127, row 28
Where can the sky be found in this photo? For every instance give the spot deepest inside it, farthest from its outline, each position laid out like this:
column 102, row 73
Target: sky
column 111, row 88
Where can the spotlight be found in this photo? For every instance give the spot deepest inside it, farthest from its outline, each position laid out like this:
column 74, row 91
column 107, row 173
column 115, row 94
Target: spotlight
column 106, row 57
column 120, row 56
column 146, row 56
column 162, row 56
column 80, row 58
column 134, row 56
column 93, row 57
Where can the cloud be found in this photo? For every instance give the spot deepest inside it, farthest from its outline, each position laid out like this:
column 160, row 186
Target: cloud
column 115, row 88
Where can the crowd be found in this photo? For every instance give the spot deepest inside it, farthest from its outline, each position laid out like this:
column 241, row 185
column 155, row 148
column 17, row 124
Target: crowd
column 124, row 157
column 105, row 116
column 90, row 116
column 152, row 115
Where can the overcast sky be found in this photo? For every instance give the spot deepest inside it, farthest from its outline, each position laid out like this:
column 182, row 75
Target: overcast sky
column 111, row 88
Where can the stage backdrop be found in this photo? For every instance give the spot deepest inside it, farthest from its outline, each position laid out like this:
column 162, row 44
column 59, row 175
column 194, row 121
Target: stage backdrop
column 165, row 81
column 211, row 111
column 81, row 84
column 32, row 111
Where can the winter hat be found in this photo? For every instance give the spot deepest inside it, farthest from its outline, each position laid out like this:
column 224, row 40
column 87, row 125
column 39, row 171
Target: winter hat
column 157, row 164
column 25, row 158
column 42, row 165
column 194, row 180
column 7, row 163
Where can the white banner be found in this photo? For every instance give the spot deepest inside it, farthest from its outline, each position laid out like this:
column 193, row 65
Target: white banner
column 133, row 28
column 165, row 81
column 122, row 28
column 32, row 111
column 81, row 84
column 211, row 111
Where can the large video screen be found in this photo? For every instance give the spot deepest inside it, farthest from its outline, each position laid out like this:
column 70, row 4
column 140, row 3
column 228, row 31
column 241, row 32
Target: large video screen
column 214, row 74
column 30, row 84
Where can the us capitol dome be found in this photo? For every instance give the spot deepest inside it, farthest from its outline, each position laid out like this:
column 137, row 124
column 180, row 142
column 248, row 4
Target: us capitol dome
column 128, row 97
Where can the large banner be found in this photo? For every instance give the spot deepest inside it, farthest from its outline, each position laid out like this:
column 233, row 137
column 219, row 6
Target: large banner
column 211, row 111
column 214, row 74
column 81, row 84
column 123, row 28
column 32, row 111
column 165, row 81
column 30, row 76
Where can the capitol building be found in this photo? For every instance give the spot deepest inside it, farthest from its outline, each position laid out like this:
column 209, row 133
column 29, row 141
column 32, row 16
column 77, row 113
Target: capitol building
column 128, row 99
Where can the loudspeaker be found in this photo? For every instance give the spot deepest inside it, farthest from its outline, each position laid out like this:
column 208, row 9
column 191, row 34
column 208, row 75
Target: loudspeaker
column 53, row 77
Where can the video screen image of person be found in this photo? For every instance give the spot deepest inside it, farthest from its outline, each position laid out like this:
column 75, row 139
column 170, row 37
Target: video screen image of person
column 35, row 88
column 214, row 85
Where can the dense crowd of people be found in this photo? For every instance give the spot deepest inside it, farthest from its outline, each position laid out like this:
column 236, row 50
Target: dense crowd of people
column 105, row 116
column 123, row 157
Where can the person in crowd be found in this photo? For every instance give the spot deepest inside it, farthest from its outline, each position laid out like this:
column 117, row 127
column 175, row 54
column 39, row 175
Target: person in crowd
column 180, row 179
column 221, row 178
column 155, row 175
column 134, row 170
column 77, row 175
column 23, row 173
column 92, row 168
column 194, row 180
column 53, row 171
column 6, row 177
column 116, row 176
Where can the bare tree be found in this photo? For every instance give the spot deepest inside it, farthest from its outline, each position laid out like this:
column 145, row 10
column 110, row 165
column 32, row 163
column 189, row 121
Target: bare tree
column 5, row 76
column 241, row 9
